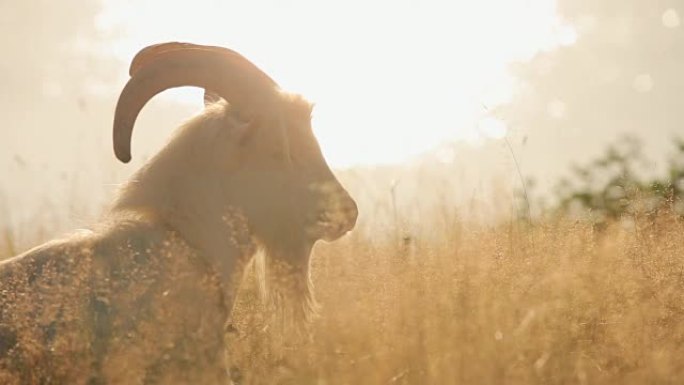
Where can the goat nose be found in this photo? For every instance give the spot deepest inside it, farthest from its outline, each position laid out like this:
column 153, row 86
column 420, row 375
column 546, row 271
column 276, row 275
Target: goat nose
column 351, row 212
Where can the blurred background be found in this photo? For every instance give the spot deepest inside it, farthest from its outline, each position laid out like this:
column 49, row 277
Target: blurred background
column 420, row 106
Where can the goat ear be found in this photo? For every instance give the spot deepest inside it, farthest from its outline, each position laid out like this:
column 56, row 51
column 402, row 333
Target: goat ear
column 210, row 97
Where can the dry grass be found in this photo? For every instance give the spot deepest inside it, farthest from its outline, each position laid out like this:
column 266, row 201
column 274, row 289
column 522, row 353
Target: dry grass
column 556, row 303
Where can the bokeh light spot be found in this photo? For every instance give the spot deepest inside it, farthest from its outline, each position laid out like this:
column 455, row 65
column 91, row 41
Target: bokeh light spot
column 643, row 83
column 671, row 18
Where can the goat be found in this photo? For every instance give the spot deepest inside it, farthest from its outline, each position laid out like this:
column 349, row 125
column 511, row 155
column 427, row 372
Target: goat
column 145, row 294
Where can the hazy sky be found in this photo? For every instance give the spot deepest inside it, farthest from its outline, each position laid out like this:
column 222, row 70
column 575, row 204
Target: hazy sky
column 622, row 76
column 390, row 79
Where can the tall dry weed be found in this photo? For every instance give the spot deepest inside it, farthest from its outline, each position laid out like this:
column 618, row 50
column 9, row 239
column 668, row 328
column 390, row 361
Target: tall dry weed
column 558, row 302
column 554, row 302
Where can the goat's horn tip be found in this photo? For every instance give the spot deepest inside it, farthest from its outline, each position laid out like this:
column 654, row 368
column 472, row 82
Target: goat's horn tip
column 124, row 158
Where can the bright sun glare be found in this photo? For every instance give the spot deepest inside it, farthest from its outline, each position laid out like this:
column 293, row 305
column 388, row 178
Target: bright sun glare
column 390, row 79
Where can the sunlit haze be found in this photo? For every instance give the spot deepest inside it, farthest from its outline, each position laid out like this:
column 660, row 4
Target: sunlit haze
column 390, row 79
column 466, row 100
column 499, row 198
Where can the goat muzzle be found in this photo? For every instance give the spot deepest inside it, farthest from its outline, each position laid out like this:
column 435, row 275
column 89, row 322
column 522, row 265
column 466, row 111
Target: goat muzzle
column 336, row 217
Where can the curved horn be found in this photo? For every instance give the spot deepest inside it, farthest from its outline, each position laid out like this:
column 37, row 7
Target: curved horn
column 163, row 66
column 148, row 54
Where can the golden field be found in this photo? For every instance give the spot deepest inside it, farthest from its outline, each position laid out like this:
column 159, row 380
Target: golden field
column 552, row 303
column 555, row 301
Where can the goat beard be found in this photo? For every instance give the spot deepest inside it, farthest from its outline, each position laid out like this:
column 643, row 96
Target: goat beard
column 286, row 288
